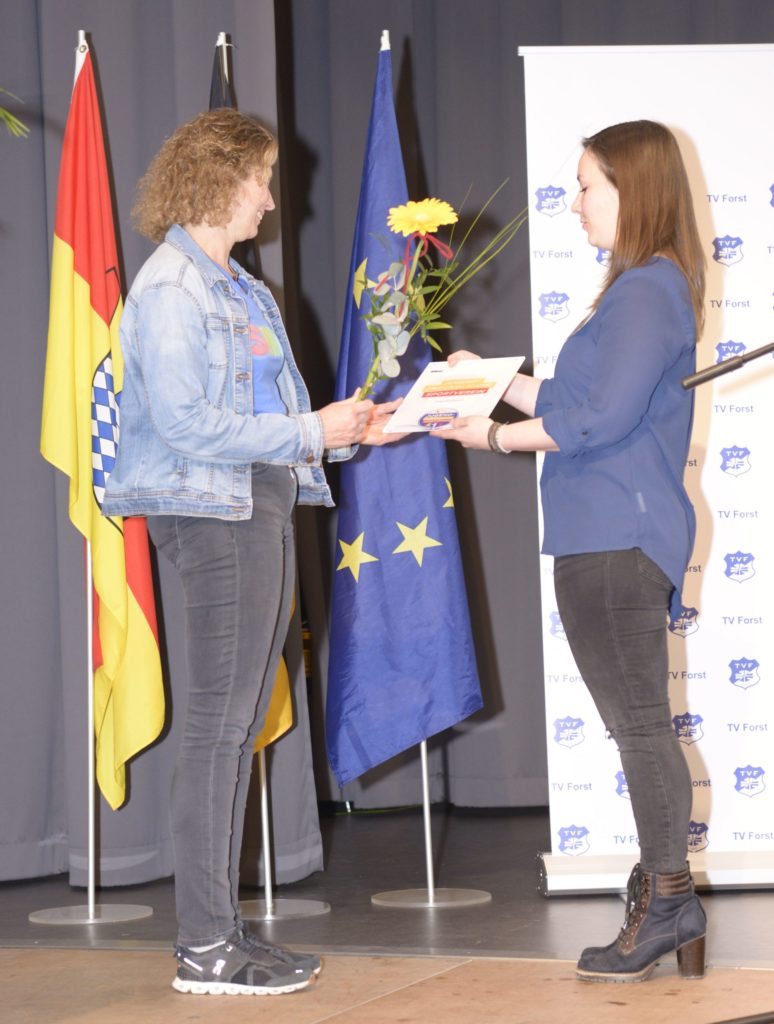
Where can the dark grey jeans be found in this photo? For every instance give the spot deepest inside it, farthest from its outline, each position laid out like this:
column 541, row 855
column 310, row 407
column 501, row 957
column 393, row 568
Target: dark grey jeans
column 613, row 606
column 238, row 580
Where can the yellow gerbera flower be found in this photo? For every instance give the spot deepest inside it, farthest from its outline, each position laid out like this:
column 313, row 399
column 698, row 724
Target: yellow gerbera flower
column 425, row 217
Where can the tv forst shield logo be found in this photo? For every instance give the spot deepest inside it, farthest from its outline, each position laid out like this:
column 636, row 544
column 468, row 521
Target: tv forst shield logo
column 550, row 200
column 740, row 566
column 698, row 836
column 729, row 350
column 554, row 306
column 735, row 461
column 728, row 250
column 568, row 732
column 622, row 786
column 574, row 840
column 744, row 673
column 555, row 627
column 750, row 780
column 688, row 727
column 685, row 622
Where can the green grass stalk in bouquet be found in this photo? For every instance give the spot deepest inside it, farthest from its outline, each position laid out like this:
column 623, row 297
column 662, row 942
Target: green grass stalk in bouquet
column 409, row 296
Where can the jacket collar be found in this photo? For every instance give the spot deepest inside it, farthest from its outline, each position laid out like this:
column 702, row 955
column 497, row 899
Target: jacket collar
column 178, row 237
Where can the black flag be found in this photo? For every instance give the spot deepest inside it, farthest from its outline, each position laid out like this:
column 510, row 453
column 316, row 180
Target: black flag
column 222, row 95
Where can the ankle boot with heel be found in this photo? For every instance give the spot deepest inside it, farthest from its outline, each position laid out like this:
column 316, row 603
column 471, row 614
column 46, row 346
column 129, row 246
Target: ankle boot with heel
column 663, row 915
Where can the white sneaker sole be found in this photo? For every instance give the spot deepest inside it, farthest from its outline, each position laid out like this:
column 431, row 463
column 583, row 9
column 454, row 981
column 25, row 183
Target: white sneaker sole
column 228, row 988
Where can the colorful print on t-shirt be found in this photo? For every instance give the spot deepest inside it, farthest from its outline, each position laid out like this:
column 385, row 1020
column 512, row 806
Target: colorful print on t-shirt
column 266, row 354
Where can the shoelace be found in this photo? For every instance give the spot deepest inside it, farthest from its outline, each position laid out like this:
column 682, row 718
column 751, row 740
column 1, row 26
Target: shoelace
column 636, row 894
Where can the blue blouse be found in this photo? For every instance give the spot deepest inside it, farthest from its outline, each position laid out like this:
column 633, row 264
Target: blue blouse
column 622, row 421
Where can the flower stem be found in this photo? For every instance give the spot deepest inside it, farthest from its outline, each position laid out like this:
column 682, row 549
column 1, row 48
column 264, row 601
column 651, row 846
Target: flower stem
column 371, row 379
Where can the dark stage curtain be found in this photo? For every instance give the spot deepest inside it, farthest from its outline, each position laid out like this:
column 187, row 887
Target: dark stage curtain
column 154, row 63
column 460, row 105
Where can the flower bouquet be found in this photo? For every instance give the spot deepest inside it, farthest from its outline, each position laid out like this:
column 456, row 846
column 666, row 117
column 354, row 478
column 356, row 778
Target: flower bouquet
column 409, row 296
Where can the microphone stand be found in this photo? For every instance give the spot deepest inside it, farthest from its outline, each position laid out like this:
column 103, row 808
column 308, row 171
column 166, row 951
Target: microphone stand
column 728, row 366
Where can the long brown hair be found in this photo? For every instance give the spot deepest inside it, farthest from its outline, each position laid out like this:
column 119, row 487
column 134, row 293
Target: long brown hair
column 642, row 160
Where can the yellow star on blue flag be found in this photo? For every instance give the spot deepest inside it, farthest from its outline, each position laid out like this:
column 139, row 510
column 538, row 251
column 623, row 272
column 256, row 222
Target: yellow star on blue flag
column 415, row 540
column 353, row 556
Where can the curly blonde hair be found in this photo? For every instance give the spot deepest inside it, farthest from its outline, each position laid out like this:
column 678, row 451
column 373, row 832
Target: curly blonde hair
column 196, row 175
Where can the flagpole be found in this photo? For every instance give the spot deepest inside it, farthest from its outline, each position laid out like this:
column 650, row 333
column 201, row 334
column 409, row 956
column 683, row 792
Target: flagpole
column 370, row 667
column 90, row 746
column 266, row 833
column 91, row 913
column 428, row 831
column 222, row 44
column 430, row 897
column 269, row 909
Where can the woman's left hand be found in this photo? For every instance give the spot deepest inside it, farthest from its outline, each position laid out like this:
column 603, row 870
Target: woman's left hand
column 374, row 428
column 470, row 431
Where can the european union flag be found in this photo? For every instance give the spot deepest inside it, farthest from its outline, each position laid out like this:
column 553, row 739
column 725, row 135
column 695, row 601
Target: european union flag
column 402, row 665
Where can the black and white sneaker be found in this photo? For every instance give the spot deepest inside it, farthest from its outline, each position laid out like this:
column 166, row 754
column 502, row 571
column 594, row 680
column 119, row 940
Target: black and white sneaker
column 306, row 961
column 234, row 968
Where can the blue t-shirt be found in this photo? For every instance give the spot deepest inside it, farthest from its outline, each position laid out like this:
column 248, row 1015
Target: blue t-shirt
column 622, row 421
column 267, row 356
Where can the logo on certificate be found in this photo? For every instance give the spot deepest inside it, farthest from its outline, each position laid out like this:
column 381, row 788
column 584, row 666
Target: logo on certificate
column 437, row 418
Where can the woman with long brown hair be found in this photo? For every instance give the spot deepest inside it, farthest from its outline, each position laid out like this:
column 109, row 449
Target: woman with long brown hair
column 615, row 424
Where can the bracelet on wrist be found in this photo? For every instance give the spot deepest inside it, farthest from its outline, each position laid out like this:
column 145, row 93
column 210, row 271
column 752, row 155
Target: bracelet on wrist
column 493, row 437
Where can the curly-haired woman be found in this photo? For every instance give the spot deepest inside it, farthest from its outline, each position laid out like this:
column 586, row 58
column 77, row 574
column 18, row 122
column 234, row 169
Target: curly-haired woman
column 218, row 442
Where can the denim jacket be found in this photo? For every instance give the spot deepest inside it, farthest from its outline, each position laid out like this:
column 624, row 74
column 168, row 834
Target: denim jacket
column 187, row 432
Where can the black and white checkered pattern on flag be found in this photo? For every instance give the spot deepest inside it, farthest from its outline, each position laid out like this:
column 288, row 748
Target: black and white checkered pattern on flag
column 104, row 427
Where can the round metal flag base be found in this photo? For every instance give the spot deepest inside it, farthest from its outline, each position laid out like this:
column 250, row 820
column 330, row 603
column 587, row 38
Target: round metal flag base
column 408, row 898
column 104, row 913
column 258, row 910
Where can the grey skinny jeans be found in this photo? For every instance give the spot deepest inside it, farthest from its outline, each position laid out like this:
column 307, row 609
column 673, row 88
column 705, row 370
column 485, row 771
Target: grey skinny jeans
column 613, row 606
column 238, row 580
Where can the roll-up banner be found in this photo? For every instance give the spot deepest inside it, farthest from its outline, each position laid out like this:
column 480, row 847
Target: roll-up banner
column 722, row 645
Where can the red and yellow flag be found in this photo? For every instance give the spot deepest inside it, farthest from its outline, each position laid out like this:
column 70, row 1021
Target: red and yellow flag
column 79, row 434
